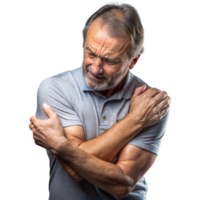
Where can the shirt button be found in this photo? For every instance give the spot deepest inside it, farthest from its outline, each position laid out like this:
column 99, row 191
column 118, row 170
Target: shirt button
column 99, row 97
column 105, row 104
column 105, row 118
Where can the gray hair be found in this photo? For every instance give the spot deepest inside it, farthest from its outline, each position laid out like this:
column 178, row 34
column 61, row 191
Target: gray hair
column 121, row 20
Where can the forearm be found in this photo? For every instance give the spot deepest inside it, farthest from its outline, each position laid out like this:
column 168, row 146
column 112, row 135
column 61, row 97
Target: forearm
column 76, row 176
column 107, row 145
column 105, row 175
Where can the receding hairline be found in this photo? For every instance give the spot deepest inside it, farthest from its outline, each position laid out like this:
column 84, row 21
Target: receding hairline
column 113, row 14
column 105, row 27
column 122, row 21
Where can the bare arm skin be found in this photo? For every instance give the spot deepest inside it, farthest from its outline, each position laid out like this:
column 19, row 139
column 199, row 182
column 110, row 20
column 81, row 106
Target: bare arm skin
column 116, row 179
column 106, row 146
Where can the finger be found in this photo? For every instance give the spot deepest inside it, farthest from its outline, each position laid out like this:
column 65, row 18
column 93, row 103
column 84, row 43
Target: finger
column 151, row 92
column 160, row 97
column 29, row 126
column 164, row 112
column 139, row 90
column 48, row 110
column 142, row 88
column 33, row 119
column 164, row 103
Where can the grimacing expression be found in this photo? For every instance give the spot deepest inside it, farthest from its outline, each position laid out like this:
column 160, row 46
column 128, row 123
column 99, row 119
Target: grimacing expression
column 105, row 61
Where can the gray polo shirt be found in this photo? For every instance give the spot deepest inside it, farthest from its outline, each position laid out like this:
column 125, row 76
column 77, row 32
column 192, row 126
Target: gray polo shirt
column 77, row 104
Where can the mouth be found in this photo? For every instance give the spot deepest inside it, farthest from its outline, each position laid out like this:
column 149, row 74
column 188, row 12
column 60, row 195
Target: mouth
column 94, row 77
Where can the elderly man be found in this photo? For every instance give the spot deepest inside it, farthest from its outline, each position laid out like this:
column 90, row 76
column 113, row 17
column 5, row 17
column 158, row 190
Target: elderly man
column 100, row 124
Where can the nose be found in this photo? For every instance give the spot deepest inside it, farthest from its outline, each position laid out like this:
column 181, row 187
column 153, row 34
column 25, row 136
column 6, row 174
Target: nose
column 97, row 66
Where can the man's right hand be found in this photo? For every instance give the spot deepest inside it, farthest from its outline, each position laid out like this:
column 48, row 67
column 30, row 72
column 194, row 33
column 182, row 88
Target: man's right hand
column 148, row 107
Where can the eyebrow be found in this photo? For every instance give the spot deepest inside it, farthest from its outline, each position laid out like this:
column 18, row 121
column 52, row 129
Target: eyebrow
column 117, row 59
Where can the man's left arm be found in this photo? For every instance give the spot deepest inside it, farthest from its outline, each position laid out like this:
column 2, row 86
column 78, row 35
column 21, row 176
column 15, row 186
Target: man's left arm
column 133, row 162
column 116, row 179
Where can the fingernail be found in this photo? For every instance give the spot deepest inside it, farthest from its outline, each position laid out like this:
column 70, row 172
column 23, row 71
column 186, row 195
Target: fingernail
column 45, row 105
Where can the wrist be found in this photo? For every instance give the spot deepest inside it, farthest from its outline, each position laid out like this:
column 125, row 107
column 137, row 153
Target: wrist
column 60, row 146
column 131, row 120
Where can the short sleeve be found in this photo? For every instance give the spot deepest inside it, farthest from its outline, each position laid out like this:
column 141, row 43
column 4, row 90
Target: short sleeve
column 150, row 137
column 49, row 92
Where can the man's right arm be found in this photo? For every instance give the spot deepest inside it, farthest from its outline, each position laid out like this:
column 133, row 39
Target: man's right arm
column 105, row 147
column 109, row 144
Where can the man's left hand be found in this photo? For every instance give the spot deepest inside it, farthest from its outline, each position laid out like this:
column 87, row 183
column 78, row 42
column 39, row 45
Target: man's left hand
column 47, row 133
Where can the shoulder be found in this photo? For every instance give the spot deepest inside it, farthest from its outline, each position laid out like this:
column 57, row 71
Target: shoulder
column 46, row 83
column 49, row 90
column 139, row 82
column 54, row 81
column 59, row 93
column 64, row 82
column 136, row 81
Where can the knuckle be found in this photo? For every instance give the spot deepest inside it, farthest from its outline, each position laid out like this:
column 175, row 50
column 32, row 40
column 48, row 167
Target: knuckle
column 163, row 92
column 37, row 124
column 152, row 102
column 158, row 118
column 145, row 96
column 168, row 100
column 155, row 89
column 54, row 115
column 33, row 129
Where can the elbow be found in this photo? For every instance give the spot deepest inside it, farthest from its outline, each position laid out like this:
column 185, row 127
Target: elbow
column 121, row 192
column 78, row 179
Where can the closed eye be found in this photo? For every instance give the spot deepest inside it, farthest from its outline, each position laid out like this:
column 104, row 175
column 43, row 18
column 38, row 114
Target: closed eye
column 91, row 55
column 111, row 63
column 108, row 61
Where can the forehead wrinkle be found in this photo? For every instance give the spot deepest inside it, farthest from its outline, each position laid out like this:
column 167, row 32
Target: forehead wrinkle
column 119, row 51
column 104, row 57
column 105, row 50
column 103, row 47
column 121, row 48
column 100, row 39
column 102, row 43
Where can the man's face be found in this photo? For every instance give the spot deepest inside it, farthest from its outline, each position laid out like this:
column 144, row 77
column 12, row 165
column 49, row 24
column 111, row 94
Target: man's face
column 105, row 61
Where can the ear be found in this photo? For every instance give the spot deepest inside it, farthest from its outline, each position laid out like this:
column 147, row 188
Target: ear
column 134, row 61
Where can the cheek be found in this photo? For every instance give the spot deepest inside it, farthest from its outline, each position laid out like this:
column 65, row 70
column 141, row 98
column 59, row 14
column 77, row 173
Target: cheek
column 86, row 62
